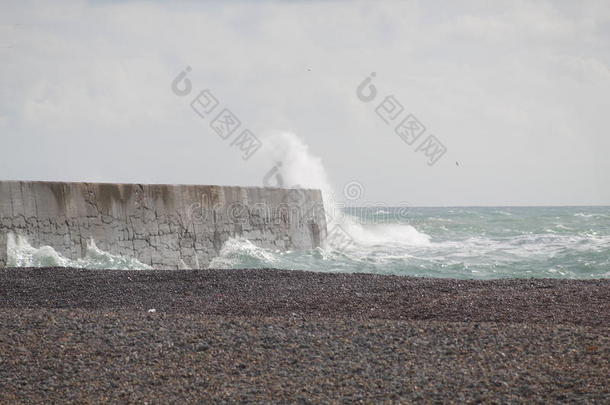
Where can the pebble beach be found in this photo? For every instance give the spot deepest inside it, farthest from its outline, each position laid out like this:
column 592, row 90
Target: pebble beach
column 89, row 336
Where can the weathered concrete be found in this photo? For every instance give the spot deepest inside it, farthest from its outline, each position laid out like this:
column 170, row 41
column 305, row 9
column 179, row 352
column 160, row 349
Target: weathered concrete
column 160, row 225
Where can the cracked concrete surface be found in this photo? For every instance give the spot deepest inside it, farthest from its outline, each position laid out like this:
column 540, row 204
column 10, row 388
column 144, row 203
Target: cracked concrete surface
column 160, row 225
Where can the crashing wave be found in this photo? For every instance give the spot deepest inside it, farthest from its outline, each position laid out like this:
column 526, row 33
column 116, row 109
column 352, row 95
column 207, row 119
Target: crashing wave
column 239, row 253
column 20, row 253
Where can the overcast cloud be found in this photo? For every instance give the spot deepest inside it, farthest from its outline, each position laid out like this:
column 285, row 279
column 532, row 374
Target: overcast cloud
column 518, row 93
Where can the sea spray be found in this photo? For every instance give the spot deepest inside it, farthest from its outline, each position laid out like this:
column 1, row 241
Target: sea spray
column 241, row 253
column 297, row 167
column 20, row 253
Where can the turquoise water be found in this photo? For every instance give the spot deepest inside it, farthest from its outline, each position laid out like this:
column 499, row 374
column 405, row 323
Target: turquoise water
column 468, row 243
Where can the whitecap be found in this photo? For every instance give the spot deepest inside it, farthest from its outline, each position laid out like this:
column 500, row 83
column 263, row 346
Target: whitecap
column 20, row 253
column 242, row 253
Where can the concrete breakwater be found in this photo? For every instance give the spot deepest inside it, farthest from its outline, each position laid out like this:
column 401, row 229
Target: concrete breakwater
column 164, row 226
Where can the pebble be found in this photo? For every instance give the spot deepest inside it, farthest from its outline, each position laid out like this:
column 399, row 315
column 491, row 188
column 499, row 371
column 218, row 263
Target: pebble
column 82, row 336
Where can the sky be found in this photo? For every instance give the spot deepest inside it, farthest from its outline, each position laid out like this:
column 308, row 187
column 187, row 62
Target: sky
column 515, row 94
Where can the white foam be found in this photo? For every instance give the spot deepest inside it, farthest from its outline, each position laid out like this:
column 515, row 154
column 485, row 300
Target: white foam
column 585, row 215
column 386, row 234
column 242, row 253
column 300, row 167
column 20, row 253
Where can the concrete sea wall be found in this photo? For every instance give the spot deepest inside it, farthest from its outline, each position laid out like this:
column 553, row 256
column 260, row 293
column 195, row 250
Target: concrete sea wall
column 164, row 226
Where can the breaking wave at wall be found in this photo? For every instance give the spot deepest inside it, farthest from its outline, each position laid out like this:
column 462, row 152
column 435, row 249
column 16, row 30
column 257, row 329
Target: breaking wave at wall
column 21, row 254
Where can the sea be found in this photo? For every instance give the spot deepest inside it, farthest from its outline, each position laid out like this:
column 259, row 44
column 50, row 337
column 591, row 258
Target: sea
column 451, row 242
column 465, row 243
